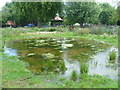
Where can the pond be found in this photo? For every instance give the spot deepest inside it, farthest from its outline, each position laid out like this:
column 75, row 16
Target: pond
column 62, row 56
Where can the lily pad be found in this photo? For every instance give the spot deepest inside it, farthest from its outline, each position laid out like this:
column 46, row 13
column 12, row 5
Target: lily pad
column 48, row 56
column 67, row 45
column 31, row 54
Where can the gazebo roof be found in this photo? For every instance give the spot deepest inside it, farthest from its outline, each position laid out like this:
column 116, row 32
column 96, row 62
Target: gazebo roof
column 57, row 18
column 10, row 23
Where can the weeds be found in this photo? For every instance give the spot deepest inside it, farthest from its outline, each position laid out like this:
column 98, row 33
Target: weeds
column 84, row 68
column 112, row 55
column 82, row 31
column 14, row 71
column 98, row 30
column 74, row 76
column 51, row 29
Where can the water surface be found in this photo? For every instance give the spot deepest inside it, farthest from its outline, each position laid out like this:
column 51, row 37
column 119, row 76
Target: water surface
column 64, row 55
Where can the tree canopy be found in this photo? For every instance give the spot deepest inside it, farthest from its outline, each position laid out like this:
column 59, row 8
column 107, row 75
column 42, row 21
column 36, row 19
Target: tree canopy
column 83, row 12
column 31, row 12
column 118, row 11
column 41, row 13
column 108, row 15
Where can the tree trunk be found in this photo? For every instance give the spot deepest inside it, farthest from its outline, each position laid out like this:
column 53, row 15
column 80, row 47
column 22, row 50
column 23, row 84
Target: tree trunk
column 81, row 24
column 39, row 23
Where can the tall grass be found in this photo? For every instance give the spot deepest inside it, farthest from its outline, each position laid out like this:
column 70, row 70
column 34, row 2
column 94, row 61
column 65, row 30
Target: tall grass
column 51, row 29
column 8, row 33
column 103, row 29
column 73, row 76
column 112, row 56
column 82, row 31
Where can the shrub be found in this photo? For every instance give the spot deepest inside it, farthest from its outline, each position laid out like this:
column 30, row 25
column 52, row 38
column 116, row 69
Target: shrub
column 103, row 29
column 82, row 31
column 96, row 30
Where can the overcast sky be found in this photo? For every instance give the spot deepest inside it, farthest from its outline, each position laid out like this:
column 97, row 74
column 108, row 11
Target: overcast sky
column 4, row 1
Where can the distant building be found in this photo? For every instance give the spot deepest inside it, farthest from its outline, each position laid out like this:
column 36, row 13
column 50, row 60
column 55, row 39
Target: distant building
column 57, row 21
column 10, row 23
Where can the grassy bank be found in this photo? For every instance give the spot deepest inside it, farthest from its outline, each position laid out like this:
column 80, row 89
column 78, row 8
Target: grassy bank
column 10, row 34
column 111, row 39
column 15, row 74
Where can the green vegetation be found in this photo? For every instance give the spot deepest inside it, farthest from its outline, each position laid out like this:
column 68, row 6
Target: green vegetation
column 112, row 55
column 15, row 75
column 118, row 11
column 108, row 35
column 86, row 14
column 71, row 13
column 82, row 12
column 108, row 14
column 21, row 12
column 74, row 76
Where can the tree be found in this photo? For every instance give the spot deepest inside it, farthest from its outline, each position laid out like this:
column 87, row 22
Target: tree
column 108, row 15
column 35, row 12
column 6, row 13
column 31, row 12
column 82, row 12
column 118, row 12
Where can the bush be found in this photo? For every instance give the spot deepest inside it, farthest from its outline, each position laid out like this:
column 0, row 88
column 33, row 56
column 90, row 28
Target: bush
column 82, row 31
column 96, row 30
column 103, row 29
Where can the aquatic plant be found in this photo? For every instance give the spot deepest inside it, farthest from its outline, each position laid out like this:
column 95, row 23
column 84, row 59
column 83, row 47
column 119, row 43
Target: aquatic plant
column 65, row 46
column 84, row 68
column 49, row 65
column 73, row 76
column 112, row 56
column 31, row 54
column 48, row 56
column 62, row 66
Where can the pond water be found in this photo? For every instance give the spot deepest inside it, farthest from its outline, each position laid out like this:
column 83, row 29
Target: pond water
column 65, row 55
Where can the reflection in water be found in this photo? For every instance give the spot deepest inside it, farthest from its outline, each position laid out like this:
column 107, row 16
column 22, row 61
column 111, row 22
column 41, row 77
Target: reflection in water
column 70, row 65
column 76, row 57
column 10, row 51
column 100, row 65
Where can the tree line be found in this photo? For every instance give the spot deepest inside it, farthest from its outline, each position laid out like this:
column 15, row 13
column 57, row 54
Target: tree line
column 40, row 13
